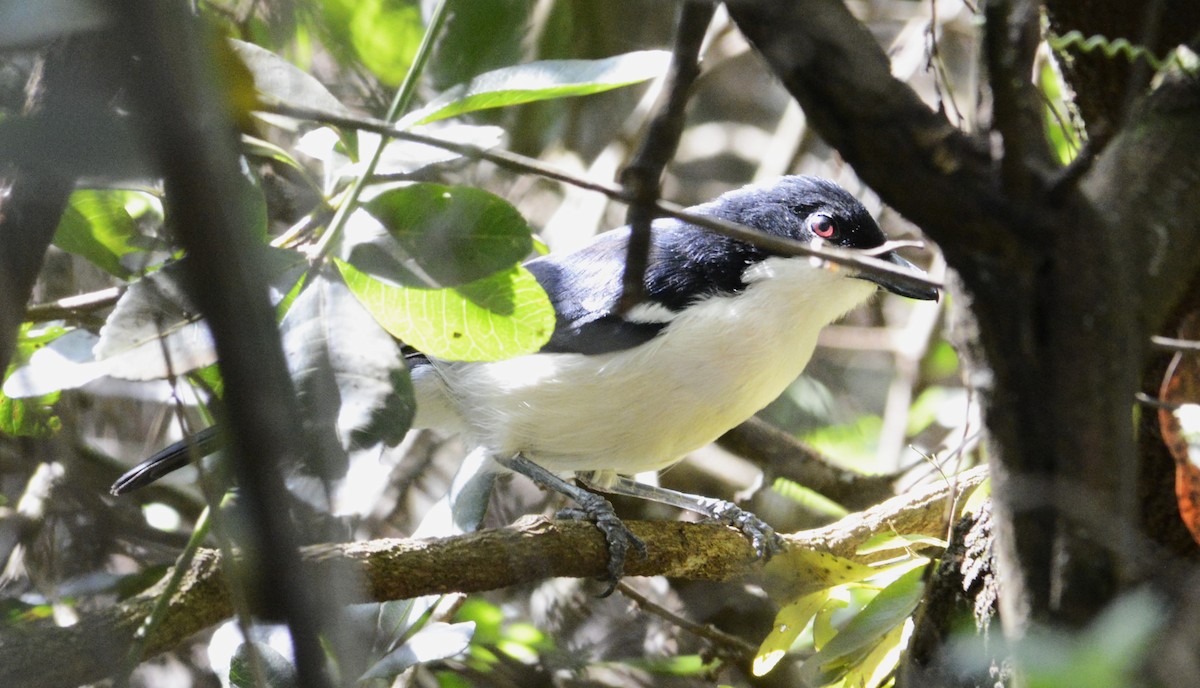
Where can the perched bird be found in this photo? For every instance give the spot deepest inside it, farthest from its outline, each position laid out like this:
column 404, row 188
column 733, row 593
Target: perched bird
column 725, row 326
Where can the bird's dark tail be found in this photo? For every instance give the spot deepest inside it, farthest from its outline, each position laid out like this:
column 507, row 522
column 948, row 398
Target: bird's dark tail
column 170, row 459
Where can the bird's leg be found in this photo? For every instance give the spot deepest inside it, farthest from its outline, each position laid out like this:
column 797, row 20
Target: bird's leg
column 762, row 537
column 593, row 507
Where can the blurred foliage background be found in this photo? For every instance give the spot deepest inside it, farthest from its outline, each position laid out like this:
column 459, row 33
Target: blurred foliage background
column 882, row 396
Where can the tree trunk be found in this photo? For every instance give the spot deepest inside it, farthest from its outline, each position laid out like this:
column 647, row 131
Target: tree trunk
column 1069, row 273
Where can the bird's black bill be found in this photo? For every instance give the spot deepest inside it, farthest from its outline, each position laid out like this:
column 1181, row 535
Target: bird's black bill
column 896, row 286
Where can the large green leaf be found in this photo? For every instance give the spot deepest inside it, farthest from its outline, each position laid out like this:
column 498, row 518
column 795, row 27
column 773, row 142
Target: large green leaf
column 406, row 157
column 454, row 235
column 796, row 572
column 65, row 362
column 478, row 36
column 500, row 316
column 96, row 226
column 542, row 80
column 33, row 417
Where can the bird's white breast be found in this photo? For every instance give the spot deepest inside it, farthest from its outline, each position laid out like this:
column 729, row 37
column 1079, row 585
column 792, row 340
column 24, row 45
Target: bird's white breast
column 717, row 363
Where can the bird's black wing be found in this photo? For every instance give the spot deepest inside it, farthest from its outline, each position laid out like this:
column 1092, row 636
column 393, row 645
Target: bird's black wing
column 584, row 288
column 685, row 264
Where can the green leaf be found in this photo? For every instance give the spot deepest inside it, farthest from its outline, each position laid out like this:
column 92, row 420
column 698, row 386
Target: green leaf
column 453, row 234
column 278, row 671
column 941, row 362
column 63, row 362
column 1059, row 127
column 978, row 497
column 925, row 410
column 542, row 80
column 789, row 624
column 879, row 663
column 678, row 665
column 406, row 157
column 96, row 227
column 29, row 417
column 34, row 416
column 853, row 445
column 280, row 80
column 503, row 315
column 478, row 36
column 890, row 608
column 823, row 630
column 884, row 542
column 487, row 617
column 157, row 307
column 809, row 499
column 259, row 148
column 797, row 572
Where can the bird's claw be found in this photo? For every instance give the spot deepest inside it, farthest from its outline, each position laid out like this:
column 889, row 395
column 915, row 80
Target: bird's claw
column 763, row 538
column 617, row 535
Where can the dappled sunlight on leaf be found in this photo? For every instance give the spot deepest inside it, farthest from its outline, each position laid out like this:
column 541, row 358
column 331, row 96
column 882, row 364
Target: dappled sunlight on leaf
column 504, row 315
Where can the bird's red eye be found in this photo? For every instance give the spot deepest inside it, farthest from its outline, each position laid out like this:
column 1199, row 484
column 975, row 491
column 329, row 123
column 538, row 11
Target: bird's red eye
column 821, row 225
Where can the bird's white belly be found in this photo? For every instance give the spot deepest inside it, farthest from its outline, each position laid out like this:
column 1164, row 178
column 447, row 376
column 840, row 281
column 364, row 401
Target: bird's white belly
column 716, row 364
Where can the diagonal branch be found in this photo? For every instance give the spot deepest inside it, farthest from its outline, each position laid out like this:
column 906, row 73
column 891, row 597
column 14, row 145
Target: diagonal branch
column 779, row 454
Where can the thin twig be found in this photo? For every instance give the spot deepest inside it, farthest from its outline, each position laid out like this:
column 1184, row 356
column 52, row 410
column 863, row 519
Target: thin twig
column 519, row 163
column 934, row 61
column 642, row 178
column 739, row 649
column 73, row 306
column 1187, row 346
column 1154, row 402
column 398, row 106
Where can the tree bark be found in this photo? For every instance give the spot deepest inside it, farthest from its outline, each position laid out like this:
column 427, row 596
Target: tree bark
column 1065, row 295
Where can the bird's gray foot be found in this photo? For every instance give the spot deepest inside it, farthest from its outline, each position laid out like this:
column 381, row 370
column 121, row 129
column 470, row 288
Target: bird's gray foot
column 591, row 507
column 597, row 510
column 763, row 538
